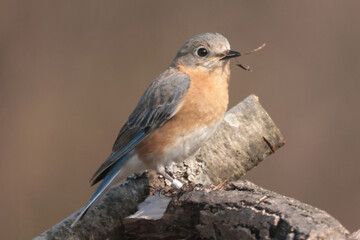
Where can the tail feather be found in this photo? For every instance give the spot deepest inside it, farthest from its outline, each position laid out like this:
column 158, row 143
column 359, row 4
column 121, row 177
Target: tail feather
column 102, row 188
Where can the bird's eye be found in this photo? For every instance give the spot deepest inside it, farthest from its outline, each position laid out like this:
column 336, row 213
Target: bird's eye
column 202, row 52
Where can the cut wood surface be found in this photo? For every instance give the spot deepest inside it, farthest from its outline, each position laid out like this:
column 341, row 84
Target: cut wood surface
column 244, row 138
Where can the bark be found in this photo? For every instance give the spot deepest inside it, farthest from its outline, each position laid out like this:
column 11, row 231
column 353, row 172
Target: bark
column 240, row 210
column 356, row 235
column 245, row 137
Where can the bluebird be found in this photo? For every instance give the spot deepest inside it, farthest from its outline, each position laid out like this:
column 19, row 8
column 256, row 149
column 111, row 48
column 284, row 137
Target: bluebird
column 178, row 112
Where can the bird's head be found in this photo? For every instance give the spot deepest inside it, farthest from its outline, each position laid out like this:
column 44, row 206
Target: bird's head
column 206, row 50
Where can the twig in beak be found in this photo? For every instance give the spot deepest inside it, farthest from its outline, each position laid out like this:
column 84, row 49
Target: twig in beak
column 245, row 68
column 255, row 50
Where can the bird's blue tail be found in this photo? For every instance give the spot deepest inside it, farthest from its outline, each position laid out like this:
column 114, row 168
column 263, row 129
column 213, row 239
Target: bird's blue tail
column 103, row 187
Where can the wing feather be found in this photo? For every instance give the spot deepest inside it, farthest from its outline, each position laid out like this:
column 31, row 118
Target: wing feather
column 157, row 105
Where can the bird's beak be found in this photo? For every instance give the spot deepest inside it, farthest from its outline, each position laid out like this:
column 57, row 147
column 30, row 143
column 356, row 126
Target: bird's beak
column 230, row 54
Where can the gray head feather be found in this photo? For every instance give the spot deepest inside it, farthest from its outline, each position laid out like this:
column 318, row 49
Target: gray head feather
column 216, row 46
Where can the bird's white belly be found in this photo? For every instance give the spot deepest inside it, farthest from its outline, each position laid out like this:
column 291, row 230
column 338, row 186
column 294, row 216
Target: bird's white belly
column 185, row 146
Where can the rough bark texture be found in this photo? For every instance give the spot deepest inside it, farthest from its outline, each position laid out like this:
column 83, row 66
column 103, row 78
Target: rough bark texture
column 241, row 210
column 245, row 137
column 356, row 235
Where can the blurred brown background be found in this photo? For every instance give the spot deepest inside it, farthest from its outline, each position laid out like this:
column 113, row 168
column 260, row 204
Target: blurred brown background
column 72, row 71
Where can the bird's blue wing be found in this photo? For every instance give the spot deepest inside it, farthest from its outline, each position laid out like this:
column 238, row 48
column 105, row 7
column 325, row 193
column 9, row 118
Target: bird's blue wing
column 158, row 104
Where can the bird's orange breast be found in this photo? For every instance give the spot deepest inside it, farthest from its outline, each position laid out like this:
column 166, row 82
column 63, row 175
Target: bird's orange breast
column 204, row 105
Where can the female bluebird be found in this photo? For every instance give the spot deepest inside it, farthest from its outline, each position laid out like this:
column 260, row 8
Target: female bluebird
column 178, row 112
